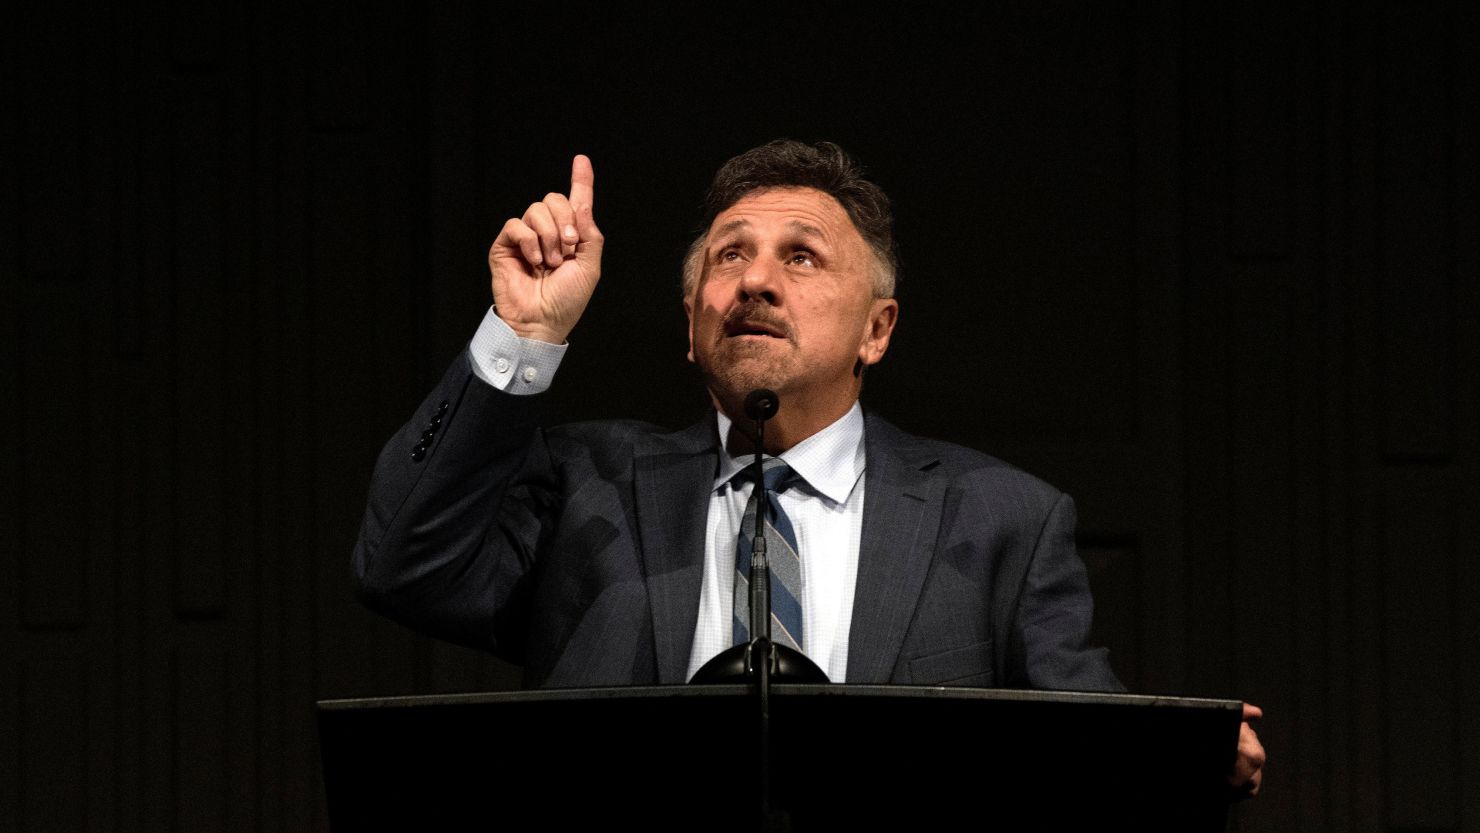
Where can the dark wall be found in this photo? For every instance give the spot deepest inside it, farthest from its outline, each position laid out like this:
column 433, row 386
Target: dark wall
column 1212, row 270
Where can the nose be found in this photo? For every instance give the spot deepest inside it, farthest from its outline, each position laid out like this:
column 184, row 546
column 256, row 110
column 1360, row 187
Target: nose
column 760, row 281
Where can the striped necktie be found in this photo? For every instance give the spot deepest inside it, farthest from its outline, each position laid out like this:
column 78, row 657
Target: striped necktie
column 781, row 555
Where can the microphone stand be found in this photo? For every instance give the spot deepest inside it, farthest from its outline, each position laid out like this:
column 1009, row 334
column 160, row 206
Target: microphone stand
column 760, row 660
column 760, row 621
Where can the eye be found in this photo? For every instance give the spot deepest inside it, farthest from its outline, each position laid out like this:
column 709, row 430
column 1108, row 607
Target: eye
column 728, row 254
column 802, row 257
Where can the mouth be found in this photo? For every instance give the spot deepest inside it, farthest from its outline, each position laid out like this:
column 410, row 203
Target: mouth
column 753, row 329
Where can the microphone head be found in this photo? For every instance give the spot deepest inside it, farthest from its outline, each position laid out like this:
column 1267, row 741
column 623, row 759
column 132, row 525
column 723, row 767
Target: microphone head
column 762, row 404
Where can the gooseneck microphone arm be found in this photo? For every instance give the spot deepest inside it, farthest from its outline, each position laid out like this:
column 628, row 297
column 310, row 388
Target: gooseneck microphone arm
column 760, row 405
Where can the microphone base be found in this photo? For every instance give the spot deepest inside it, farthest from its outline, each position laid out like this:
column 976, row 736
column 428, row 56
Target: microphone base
column 739, row 664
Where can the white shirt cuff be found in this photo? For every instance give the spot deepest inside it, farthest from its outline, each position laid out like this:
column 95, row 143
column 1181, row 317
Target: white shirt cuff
column 511, row 363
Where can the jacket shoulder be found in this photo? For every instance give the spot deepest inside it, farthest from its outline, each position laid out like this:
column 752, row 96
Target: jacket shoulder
column 962, row 467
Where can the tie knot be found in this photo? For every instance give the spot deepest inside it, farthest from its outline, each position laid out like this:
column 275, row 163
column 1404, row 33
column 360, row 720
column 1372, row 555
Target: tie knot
column 778, row 476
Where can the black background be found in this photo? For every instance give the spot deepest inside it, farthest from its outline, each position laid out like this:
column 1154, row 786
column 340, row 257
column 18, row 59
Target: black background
column 1211, row 269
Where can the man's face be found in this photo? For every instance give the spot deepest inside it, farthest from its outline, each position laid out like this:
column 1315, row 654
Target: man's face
column 785, row 300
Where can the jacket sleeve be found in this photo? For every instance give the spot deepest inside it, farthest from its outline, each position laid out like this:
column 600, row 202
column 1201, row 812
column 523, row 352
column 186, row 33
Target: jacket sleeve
column 1050, row 630
column 458, row 504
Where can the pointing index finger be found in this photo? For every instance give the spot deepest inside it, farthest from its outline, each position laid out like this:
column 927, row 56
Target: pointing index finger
column 582, row 182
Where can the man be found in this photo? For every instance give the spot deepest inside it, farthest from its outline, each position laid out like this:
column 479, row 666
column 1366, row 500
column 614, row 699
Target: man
column 606, row 553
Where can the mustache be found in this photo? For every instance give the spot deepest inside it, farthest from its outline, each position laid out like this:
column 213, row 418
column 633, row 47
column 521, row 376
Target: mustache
column 755, row 314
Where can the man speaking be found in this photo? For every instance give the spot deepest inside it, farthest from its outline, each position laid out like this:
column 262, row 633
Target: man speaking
column 605, row 553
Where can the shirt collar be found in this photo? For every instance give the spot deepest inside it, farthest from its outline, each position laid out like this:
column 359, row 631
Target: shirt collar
column 831, row 461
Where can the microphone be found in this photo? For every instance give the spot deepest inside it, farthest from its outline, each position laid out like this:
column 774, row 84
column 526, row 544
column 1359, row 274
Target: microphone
column 761, row 404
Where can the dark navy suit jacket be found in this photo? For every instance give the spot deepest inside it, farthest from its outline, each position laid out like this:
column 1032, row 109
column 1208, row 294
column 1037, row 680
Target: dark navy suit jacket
column 578, row 551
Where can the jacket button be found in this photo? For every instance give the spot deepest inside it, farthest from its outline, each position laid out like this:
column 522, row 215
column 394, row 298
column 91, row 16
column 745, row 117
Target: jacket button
column 442, row 409
column 418, row 454
column 426, row 436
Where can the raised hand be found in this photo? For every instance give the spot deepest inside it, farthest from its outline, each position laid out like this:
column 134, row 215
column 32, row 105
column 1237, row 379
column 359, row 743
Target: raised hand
column 545, row 264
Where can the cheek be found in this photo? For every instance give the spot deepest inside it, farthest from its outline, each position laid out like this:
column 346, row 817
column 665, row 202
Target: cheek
column 711, row 299
column 837, row 316
column 706, row 321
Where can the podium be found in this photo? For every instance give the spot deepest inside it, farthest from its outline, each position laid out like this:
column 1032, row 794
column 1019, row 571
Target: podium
column 844, row 757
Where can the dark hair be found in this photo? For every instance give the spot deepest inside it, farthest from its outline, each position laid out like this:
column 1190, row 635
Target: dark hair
column 786, row 163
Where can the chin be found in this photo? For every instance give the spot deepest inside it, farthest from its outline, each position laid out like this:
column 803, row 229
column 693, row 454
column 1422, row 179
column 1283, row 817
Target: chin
column 732, row 378
column 739, row 383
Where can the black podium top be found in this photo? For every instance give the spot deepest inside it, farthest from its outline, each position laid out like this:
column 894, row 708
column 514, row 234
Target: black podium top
column 844, row 757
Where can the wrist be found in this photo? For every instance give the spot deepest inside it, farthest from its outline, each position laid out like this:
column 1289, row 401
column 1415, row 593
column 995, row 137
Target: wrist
column 532, row 329
column 537, row 332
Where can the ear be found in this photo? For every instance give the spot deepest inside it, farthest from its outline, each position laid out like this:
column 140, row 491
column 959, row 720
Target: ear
column 877, row 330
column 688, row 309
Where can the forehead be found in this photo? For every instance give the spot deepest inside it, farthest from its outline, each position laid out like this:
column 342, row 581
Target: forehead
column 791, row 209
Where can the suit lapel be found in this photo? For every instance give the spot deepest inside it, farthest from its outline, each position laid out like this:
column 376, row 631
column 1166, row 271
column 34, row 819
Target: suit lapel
column 673, row 474
column 901, row 512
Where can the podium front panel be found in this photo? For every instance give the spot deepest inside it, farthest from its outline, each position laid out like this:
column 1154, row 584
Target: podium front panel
column 843, row 757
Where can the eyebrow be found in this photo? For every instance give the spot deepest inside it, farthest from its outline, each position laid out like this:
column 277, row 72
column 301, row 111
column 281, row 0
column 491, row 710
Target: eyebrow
column 733, row 225
column 795, row 226
column 806, row 230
